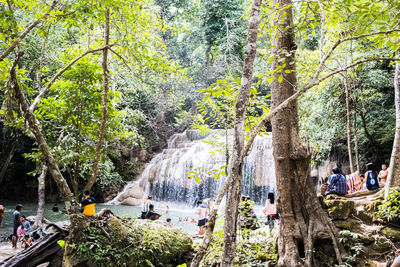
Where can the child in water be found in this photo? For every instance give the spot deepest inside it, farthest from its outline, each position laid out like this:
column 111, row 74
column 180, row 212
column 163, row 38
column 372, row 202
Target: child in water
column 27, row 241
column 21, row 231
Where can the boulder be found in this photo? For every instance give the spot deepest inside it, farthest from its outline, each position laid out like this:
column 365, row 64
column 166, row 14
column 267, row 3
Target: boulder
column 130, row 201
column 129, row 242
column 391, row 233
column 339, row 208
column 351, row 225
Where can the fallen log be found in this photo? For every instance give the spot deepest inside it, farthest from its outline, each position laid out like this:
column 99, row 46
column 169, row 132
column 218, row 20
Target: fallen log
column 42, row 251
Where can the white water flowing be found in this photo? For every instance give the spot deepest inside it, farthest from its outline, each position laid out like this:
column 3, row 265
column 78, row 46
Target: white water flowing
column 166, row 176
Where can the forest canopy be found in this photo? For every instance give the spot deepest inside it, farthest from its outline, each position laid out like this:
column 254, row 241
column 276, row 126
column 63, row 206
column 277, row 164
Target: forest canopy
column 177, row 64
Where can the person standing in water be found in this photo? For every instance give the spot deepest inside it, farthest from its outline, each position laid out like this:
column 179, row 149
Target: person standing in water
column 270, row 210
column 25, row 222
column 202, row 211
column 16, row 222
column 55, row 207
column 146, row 206
column 1, row 213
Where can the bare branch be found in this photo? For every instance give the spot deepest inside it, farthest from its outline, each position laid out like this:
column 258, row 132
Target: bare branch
column 122, row 58
column 321, row 40
column 25, row 32
column 58, row 74
column 321, row 65
column 293, row 97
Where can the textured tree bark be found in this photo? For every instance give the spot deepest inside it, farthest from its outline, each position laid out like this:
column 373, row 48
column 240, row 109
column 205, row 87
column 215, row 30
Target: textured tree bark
column 50, row 161
column 236, row 160
column 97, row 155
column 348, row 121
column 394, row 166
column 303, row 219
column 41, row 196
column 7, row 162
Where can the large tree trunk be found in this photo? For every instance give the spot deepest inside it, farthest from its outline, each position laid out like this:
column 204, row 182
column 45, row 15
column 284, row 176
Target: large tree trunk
column 303, row 219
column 41, row 196
column 97, row 155
column 236, row 160
column 394, row 166
column 7, row 162
column 50, row 161
column 348, row 121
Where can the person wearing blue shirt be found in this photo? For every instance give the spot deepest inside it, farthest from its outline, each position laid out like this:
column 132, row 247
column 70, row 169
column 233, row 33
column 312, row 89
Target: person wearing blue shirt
column 371, row 175
column 337, row 183
column 25, row 222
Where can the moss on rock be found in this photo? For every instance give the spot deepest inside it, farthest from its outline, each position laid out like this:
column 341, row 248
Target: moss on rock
column 350, row 225
column 130, row 242
column 381, row 244
column 339, row 208
column 391, row 233
column 373, row 206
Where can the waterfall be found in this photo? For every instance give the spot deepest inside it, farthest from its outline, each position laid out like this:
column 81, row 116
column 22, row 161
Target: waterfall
column 166, row 175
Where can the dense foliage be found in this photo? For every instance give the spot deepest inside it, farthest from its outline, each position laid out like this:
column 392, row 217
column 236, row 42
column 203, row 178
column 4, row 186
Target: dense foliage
column 389, row 209
column 163, row 52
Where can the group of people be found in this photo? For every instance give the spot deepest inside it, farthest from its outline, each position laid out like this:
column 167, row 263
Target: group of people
column 148, row 210
column 338, row 184
column 202, row 210
column 21, row 229
column 248, row 217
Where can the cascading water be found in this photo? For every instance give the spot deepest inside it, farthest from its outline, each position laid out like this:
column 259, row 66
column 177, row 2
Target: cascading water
column 166, row 176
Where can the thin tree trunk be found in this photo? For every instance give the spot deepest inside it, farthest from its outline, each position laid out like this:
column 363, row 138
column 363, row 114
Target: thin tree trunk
column 75, row 177
column 97, row 155
column 357, row 155
column 302, row 215
column 41, row 196
column 50, row 161
column 348, row 121
column 236, row 162
column 354, row 88
column 394, row 166
column 25, row 32
column 7, row 162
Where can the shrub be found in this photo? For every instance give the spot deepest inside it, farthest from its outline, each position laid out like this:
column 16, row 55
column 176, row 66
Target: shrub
column 253, row 248
column 389, row 210
column 132, row 243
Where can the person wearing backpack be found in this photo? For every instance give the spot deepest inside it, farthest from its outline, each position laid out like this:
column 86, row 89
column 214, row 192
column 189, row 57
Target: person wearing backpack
column 337, row 183
column 372, row 181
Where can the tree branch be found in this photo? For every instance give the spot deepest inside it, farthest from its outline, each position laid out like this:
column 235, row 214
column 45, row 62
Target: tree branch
column 50, row 161
column 26, row 31
column 395, row 29
column 58, row 74
column 284, row 104
column 321, row 40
